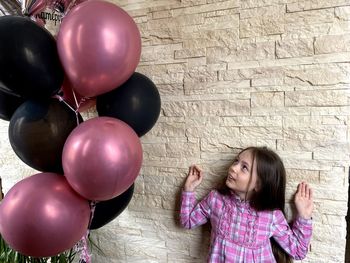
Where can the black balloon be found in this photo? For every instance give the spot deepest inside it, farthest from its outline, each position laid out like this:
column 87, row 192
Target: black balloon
column 9, row 102
column 106, row 211
column 29, row 62
column 38, row 131
column 136, row 102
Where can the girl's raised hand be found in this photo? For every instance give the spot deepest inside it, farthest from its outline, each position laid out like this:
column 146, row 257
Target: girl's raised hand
column 303, row 201
column 194, row 178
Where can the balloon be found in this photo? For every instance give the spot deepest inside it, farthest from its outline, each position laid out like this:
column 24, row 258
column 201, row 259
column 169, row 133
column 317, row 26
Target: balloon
column 31, row 7
column 72, row 98
column 9, row 102
column 29, row 62
column 102, row 158
column 38, row 131
column 41, row 216
column 10, row 7
column 106, row 211
column 48, row 13
column 99, row 45
column 136, row 102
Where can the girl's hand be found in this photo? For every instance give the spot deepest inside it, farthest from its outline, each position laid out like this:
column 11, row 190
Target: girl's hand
column 194, row 178
column 303, row 201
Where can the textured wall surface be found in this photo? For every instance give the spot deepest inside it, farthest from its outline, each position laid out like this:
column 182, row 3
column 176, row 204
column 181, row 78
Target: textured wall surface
column 232, row 74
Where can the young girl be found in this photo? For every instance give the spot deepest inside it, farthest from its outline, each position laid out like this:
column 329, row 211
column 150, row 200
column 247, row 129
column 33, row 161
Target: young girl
column 247, row 215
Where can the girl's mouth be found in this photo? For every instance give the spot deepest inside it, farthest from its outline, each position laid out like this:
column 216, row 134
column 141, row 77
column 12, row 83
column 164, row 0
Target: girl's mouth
column 230, row 177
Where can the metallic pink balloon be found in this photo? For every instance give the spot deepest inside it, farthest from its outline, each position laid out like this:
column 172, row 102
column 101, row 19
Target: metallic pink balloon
column 102, row 158
column 42, row 216
column 99, row 46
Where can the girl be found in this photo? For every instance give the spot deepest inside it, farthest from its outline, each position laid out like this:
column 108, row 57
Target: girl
column 247, row 215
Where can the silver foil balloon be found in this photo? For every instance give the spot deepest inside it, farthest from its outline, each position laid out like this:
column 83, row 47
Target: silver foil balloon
column 10, row 7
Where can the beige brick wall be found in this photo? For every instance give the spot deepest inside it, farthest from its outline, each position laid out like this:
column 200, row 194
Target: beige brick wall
column 233, row 74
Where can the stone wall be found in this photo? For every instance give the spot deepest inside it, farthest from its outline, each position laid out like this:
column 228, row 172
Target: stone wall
column 233, row 74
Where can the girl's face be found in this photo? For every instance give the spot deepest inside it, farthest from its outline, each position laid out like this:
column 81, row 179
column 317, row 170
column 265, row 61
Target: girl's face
column 242, row 176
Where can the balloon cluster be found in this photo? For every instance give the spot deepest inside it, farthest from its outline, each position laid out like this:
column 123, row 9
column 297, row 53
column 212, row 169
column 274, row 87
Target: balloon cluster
column 87, row 168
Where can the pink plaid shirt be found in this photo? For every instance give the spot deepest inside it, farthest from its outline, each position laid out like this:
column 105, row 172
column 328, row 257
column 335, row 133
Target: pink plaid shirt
column 241, row 234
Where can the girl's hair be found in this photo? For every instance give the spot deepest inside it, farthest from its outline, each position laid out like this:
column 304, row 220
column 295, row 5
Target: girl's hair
column 271, row 189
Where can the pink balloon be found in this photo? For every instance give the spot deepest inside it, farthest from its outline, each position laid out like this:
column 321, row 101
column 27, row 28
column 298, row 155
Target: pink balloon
column 102, row 158
column 99, row 46
column 42, row 216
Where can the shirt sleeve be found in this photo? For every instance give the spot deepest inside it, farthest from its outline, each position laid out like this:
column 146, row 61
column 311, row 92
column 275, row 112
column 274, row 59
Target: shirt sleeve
column 193, row 214
column 294, row 240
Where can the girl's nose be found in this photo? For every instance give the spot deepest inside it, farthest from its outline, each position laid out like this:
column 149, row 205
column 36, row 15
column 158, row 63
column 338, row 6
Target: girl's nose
column 233, row 168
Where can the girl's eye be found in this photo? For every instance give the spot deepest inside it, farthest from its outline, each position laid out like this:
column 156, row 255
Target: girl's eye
column 235, row 161
column 244, row 168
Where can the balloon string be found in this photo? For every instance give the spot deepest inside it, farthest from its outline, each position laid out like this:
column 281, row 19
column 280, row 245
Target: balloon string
column 92, row 213
column 60, row 98
column 85, row 256
column 76, row 100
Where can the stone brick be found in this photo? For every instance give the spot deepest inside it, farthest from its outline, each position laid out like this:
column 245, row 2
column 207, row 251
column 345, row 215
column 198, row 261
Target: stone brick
column 262, row 21
column 298, row 175
column 323, row 74
column 182, row 150
column 218, row 87
column 319, row 249
column 245, row 4
column 310, row 17
column 189, row 53
column 262, row 82
column 161, row 53
column 234, row 143
column 207, row 8
column 161, row 14
column 312, row 4
column 337, row 193
column 326, row 234
column 261, row 132
column 317, row 98
column 242, row 51
column 212, row 132
column 342, row 12
column 294, row 48
column 332, row 44
column 333, row 220
column 267, row 99
column 339, row 151
column 151, row 150
column 168, row 129
column 321, row 133
column 170, row 89
column 332, row 207
column 207, row 108
column 302, row 30
column 160, row 36
column 244, row 121
column 211, row 38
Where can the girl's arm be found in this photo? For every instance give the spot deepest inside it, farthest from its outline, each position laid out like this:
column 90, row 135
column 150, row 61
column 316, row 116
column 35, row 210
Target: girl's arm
column 192, row 215
column 304, row 201
column 295, row 240
column 194, row 178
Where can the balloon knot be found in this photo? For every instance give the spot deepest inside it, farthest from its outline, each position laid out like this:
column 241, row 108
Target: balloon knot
column 82, row 247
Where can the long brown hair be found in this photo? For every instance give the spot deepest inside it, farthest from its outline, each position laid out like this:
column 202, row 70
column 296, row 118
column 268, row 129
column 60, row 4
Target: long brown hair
column 271, row 189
